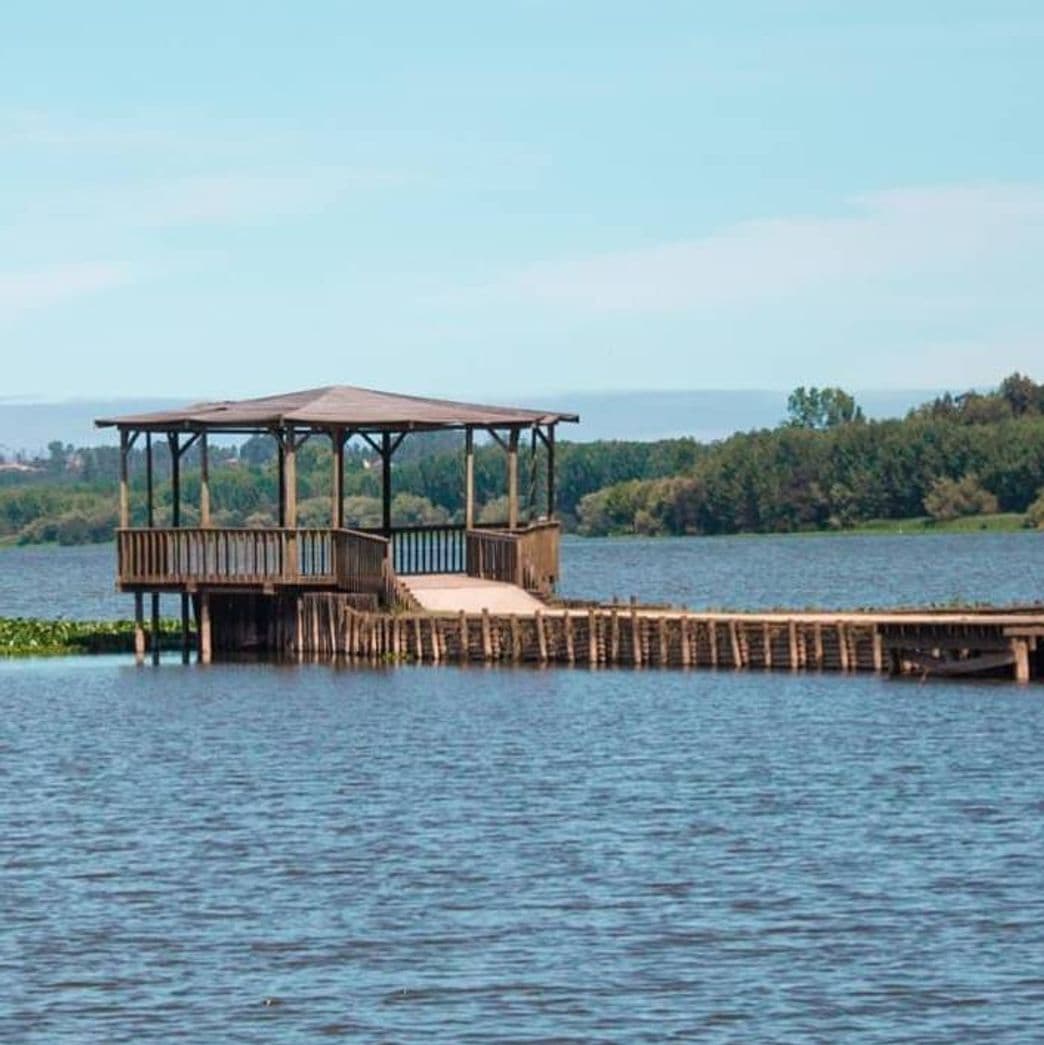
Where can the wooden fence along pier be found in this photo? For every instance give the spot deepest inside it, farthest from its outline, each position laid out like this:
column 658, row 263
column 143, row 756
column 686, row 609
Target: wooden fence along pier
column 465, row 593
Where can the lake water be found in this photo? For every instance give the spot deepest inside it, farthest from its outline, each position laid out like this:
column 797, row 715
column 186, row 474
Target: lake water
column 838, row 572
column 248, row 852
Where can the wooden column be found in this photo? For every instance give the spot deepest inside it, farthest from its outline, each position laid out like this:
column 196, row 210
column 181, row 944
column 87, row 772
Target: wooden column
column 175, row 479
column 386, row 456
column 550, row 471
column 513, row 479
column 281, row 458
column 469, row 479
column 150, row 511
column 124, row 485
column 204, row 481
column 290, row 479
column 337, row 514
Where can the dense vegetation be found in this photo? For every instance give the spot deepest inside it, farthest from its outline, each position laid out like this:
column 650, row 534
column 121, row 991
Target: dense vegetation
column 824, row 467
column 27, row 636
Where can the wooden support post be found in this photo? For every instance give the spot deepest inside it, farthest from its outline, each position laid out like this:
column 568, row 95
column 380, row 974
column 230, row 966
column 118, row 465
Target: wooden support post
column 436, row 653
column 513, row 479
column 205, row 637
column 469, row 478
column 712, row 639
column 878, row 651
column 337, row 493
column 418, row 640
column 464, row 643
column 487, row 640
column 290, row 481
column 154, row 637
column 661, row 627
column 592, row 637
column 636, row 637
column 186, row 647
column 737, row 652
column 550, row 471
column 150, row 508
column 686, row 640
column 842, row 646
column 567, row 624
column 204, row 481
column 1020, row 649
column 538, row 617
column 817, row 636
column 386, row 494
column 516, row 639
column 139, row 628
column 792, row 642
column 614, row 636
column 124, row 484
column 280, row 438
column 175, row 479
column 766, row 646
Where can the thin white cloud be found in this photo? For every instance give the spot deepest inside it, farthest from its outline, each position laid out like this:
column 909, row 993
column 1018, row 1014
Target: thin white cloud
column 39, row 288
column 940, row 235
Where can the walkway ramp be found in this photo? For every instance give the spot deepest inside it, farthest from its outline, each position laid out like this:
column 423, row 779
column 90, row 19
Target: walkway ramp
column 453, row 592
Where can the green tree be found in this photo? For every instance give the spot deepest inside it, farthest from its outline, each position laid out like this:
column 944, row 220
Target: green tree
column 954, row 498
column 821, row 408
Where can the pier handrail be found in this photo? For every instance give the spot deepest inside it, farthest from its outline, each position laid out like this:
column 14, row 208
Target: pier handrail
column 527, row 557
column 345, row 559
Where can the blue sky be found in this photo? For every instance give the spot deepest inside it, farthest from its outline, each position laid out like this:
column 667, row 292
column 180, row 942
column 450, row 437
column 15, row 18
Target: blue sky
column 515, row 198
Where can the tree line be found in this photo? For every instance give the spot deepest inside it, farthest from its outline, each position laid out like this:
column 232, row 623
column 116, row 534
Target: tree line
column 823, row 467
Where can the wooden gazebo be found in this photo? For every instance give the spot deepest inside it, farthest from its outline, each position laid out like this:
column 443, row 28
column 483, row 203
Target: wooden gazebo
column 287, row 559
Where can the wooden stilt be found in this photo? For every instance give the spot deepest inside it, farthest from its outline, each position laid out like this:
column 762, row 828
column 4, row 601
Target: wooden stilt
column 487, row 640
column 734, row 641
column 154, row 638
column 567, row 625
column 464, row 646
column 592, row 637
column 792, row 644
column 538, row 617
column 842, row 646
column 686, row 639
column 1020, row 649
column 139, row 628
column 186, row 647
column 205, row 637
column 766, row 646
column 636, row 637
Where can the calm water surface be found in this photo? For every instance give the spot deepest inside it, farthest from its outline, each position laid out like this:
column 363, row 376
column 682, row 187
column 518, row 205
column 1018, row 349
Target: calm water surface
column 709, row 572
column 251, row 852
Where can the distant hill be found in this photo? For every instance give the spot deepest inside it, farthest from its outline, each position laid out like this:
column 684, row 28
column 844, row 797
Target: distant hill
column 703, row 414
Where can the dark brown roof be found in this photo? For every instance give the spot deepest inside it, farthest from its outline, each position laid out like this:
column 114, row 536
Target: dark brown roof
column 337, row 405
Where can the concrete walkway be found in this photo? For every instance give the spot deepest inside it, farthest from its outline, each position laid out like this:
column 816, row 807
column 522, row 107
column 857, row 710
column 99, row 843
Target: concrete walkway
column 452, row 592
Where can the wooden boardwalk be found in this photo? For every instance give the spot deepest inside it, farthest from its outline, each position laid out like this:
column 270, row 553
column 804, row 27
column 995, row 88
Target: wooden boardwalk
column 462, row 622
column 453, row 592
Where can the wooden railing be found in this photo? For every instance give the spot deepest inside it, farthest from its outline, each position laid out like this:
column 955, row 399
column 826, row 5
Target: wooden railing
column 427, row 549
column 344, row 559
column 526, row 557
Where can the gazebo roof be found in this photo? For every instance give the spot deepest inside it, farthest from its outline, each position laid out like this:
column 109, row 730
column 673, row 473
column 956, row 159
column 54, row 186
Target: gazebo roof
column 337, row 406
